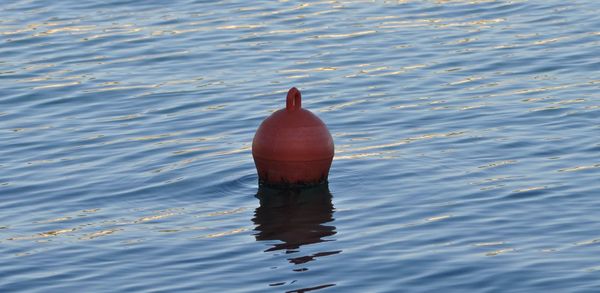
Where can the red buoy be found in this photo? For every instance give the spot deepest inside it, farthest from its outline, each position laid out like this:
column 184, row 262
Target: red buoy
column 292, row 147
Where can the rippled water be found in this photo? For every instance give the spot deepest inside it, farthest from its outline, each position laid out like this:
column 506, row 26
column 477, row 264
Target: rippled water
column 467, row 146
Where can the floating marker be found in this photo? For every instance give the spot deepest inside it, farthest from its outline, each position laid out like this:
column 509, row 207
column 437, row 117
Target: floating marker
column 292, row 147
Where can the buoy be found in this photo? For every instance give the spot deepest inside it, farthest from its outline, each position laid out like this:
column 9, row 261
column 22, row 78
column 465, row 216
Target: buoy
column 292, row 147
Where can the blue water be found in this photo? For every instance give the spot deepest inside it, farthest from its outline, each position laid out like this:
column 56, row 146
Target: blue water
column 467, row 146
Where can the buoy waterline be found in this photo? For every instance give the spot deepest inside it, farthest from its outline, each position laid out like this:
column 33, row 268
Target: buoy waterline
column 292, row 147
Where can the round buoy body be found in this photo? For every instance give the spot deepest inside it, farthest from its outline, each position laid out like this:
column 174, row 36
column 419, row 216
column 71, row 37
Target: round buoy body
column 292, row 147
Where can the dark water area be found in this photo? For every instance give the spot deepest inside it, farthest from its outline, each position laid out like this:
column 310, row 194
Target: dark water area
column 467, row 141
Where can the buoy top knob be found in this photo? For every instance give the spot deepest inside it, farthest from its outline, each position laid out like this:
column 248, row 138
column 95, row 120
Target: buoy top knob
column 294, row 100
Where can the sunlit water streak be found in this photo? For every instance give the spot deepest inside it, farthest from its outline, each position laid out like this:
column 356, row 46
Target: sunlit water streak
column 467, row 146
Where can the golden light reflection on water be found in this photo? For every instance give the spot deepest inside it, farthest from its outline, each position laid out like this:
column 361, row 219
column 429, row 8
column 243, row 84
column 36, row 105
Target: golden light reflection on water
column 56, row 85
column 306, row 70
column 588, row 242
column 498, row 164
column 60, row 219
column 243, row 26
column 126, row 226
column 192, row 150
column 46, row 234
column 69, row 29
column 342, row 105
column 154, row 218
column 580, row 168
column 227, row 233
column 500, row 251
column 483, row 244
column 379, row 155
column 466, row 80
column 401, row 142
column 226, row 212
column 534, row 188
column 102, row 233
column 348, row 35
column 438, row 218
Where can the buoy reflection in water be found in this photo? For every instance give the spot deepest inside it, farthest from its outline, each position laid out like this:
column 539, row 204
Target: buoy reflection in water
column 295, row 217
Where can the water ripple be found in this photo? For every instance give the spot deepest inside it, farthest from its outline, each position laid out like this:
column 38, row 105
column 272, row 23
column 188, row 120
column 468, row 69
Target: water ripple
column 465, row 131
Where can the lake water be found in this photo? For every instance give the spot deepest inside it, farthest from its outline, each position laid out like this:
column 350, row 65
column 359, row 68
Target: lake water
column 467, row 146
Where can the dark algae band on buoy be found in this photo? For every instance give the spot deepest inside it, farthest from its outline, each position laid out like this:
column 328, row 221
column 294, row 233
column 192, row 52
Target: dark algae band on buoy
column 292, row 147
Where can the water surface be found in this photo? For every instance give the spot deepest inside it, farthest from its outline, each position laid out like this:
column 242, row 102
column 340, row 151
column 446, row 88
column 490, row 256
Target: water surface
column 467, row 146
